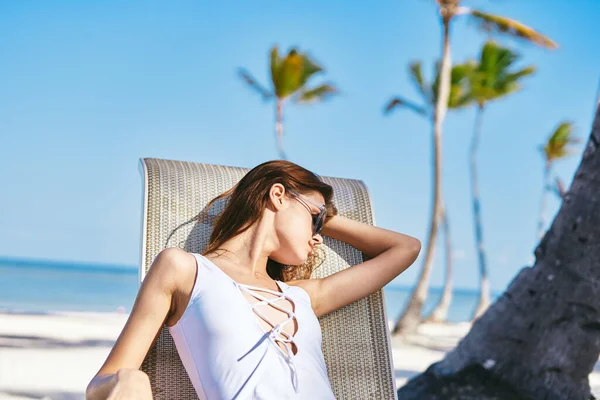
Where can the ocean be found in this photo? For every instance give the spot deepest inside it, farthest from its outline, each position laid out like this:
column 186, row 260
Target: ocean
column 35, row 286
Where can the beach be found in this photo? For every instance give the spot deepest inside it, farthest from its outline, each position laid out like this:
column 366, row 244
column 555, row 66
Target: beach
column 54, row 355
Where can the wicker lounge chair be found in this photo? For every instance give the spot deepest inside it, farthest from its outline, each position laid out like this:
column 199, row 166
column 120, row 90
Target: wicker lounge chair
column 356, row 341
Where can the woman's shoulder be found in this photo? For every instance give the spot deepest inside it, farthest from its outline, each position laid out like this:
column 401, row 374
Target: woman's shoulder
column 179, row 262
column 178, row 267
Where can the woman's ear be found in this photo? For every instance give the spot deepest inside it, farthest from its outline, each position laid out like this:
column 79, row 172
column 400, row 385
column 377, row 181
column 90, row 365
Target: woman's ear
column 277, row 194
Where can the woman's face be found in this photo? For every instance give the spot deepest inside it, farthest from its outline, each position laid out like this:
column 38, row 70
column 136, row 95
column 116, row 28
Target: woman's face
column 294, row 227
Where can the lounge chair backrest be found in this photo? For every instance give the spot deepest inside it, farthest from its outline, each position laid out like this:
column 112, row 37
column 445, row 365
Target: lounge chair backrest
column 356, row 341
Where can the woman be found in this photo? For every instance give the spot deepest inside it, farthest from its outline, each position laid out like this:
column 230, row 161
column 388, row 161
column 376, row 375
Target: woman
column 243, row 314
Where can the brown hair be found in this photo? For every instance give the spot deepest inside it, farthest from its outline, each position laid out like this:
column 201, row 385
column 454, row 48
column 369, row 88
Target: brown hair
column 250, row 196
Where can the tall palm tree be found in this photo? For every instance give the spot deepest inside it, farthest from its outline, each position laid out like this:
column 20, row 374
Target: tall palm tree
column 494, row 76
column 428, row 93
column 449, row 9
column 557, row 147
column 440, row 311
column 289, row 78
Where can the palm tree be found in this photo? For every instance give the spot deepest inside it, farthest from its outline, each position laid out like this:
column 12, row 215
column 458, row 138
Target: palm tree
column 559, row 188
column 449, row 9
column 494, row 76
column 428, row 93
column 540, row 338
column 557, row 147
column 289, row 77
column 440, row 311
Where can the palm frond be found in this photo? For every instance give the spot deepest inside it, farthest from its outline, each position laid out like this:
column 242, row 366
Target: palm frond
column 398, row 102
column 309, row 68
column 495, row 58
column 321, row 92
column 504, row 25
column 530, row 70
column 459, row 85
column 275, row 65
column 416, row 76
column 493, row 75
column 560, row 144
column 294, row 72
column 290, row 74
column 460, row 95
column 253, row 83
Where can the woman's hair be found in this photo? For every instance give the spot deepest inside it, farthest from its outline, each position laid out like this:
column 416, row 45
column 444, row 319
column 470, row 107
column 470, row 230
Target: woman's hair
column 250, row 196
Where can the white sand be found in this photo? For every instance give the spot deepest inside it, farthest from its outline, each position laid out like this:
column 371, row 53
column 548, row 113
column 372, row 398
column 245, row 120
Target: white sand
column 55, row 356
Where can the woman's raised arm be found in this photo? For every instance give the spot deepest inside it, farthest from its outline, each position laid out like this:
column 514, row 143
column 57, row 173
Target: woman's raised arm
column 390, row 252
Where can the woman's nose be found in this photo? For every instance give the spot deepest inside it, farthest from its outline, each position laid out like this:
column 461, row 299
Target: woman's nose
column 318, row 239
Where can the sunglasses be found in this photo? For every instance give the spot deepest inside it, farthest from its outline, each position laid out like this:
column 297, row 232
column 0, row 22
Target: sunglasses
column 318, row 220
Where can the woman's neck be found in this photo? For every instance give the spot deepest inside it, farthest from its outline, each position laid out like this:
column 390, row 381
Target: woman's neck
column 251, row 249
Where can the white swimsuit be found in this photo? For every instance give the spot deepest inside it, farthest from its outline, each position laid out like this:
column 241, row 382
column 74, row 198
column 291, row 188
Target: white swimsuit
column 228, row 355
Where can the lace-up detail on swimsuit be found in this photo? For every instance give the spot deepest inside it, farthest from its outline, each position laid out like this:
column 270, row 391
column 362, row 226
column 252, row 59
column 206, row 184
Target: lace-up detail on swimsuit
column 277, row 334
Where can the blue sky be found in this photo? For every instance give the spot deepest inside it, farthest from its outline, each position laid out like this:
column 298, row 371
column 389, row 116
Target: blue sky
column 90, row 87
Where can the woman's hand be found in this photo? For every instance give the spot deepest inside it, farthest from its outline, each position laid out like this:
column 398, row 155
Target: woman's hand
column 131, row 384
column 127, row 383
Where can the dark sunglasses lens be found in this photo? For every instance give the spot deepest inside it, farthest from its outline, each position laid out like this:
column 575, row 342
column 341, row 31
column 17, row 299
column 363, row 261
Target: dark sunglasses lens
column 318, row 222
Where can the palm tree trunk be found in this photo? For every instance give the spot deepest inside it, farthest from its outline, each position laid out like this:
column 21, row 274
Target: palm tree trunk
column 279, row 128
column 541, row 339
column 440, row 312
column 484, row 285
column 542, row 221
column 560, row 189
column 412, row 315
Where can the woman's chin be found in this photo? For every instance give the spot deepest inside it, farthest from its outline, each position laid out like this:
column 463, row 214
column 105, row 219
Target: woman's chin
column 300, row 258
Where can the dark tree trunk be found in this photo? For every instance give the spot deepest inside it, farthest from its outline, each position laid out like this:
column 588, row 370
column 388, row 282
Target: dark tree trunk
column 541, row 339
